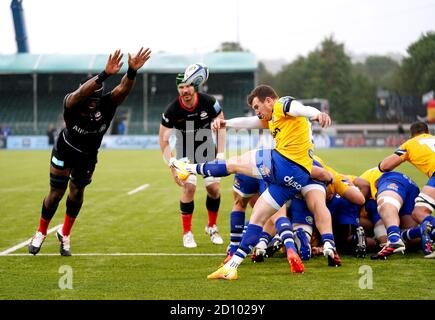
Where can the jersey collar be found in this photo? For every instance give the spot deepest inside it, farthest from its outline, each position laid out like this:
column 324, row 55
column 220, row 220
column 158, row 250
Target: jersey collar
column 195, row 104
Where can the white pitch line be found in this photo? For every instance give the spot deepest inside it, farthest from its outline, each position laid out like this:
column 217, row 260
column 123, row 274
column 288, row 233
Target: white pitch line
column 25, row 243
column 142, row 187
column 120, row 254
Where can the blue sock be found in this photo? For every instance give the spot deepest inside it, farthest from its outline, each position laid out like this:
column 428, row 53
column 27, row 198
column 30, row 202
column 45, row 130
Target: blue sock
column 265, row 237
column 285, row 231
column 430, row 219
column 249, row 240
column 393, row 233
column 411, row 233
column 329, row 237
column 237, row 224
column 217, row 168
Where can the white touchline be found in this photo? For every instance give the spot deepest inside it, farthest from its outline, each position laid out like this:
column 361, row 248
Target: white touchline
column 142, row 187
column 25, row 243
column 122, row 254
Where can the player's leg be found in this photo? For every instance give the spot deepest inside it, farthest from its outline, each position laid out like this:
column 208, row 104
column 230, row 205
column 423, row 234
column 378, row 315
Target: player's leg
column 315, row 199
column 59, row 178
column 244, row 164
column 241, row 198
column 422, row 213
column 389, row 203
column 213, row 201
column 80, row 178
column 187, row 206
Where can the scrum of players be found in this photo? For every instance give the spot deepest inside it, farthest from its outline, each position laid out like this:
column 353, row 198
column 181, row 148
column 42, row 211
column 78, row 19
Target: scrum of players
column 380, row 212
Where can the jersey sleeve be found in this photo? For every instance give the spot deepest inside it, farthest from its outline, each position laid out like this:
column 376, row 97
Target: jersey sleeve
column 402, row 151
column 166, row 120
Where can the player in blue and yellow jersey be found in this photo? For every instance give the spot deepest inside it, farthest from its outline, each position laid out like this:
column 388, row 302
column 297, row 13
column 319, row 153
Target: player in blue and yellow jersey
column 419, row 151
column 395, row 194
column 286, row 168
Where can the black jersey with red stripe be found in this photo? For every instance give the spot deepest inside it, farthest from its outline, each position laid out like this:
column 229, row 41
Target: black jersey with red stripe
column 193, row 134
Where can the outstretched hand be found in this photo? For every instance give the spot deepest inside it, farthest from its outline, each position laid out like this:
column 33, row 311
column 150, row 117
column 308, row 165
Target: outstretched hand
column 323, row 119
column 218, row 123
column 114, row 63
column 139, row 59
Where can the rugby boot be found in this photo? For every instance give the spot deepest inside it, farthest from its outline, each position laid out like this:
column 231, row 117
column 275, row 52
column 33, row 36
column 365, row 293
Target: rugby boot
column 65, row 244
column 389, row 249
column 295, row 261
column 36, row 242
column 224, row 273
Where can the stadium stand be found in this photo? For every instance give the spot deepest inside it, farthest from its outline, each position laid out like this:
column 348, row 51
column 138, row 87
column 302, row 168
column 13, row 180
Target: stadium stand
column 32, row 87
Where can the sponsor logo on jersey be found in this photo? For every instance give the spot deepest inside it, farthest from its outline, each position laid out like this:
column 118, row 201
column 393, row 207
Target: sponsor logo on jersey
column 98, row 116
column 203, row 115
column 291, row 183
column 275, row 132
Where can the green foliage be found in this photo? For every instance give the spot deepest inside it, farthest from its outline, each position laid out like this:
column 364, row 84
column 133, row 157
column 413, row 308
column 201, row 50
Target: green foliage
column 230, row 46
column 417, row 74
column 380, row 70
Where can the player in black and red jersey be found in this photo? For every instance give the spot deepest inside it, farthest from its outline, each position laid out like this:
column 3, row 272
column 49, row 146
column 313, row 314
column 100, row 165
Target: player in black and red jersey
column 88, row 113
column 191, row 115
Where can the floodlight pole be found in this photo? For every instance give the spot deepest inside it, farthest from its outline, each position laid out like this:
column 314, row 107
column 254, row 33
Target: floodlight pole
column 20, row 26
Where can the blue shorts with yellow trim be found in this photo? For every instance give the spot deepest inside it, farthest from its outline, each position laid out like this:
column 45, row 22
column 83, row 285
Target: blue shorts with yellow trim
column 284, row 177
column 247, row 186
column 403, row 186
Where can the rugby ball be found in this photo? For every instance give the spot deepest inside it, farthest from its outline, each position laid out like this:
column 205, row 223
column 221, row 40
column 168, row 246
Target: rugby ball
column 196, row 74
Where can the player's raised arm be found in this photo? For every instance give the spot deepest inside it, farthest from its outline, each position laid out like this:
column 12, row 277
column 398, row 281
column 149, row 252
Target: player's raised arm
column 297, row 109
column 95, row 84
column 136, row 62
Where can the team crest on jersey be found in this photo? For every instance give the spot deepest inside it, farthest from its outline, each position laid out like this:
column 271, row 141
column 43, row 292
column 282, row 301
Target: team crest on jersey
column 237, row 183
column 393, row 186
column 309, row 219
column 102, row 128
column 98, row 116
column 203, row 115
column 265, row 171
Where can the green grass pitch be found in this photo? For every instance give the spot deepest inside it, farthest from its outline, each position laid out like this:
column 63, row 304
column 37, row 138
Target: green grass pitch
column 111, row 221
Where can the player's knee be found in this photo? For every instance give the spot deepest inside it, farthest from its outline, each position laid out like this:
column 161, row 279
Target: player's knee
column 58, row 182
column 425, row 201
column 81, row 181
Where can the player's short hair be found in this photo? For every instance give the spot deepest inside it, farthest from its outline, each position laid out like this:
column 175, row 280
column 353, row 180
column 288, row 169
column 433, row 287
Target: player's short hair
column 418, row 127
column 262, row 92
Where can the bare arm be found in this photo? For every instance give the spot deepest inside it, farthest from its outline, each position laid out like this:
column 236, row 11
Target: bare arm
column 321, row 174
column 390, row 162
column 221, row 136
column 121, row 91
column 164, row 135
column 113, row 66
